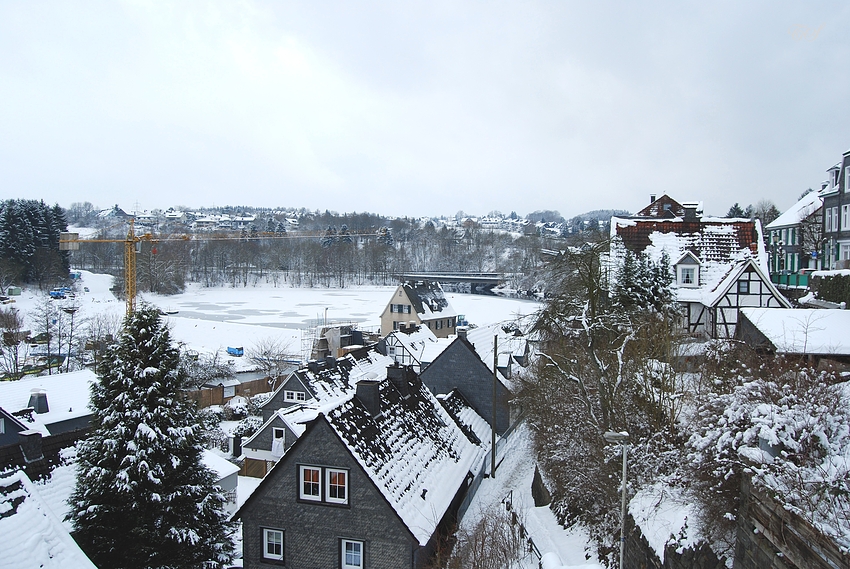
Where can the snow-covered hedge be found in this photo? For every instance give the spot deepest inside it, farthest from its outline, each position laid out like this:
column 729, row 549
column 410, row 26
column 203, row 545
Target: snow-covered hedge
column 791, row 432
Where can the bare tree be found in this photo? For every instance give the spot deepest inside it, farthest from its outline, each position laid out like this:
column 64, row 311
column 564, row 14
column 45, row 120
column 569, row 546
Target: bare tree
column 495, row 542
column 101, row 330
column 201, row 369
column 14, row 347
column 45, row 319
column 272, row 355
column 10, row 272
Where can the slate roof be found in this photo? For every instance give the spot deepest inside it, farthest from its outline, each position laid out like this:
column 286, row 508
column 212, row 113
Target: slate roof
column 428, row 299
column 33, row 536
column 414, row 452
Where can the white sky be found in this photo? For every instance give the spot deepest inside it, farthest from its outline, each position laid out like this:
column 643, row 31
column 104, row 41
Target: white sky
column 420, row 108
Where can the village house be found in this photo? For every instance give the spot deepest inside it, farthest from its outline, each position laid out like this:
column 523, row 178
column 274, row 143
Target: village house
column 375, row 476
column 420, row 303
column 719, row 264
column 459, row 368
column 794, row 239
column 836, row 216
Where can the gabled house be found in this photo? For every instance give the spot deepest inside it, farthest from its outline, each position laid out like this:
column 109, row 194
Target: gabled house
column 719, row 264
column 419, row 303
column 794, row 238
column 374, row 478
column 836, row 216
column 408, row 347
column 459, row 368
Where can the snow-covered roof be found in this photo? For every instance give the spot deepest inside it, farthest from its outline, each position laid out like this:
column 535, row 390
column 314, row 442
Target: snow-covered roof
column 723, row 246
column 33, row 535
column 804, row 330
column 806, row 206
column 415, row 453
column 67, row 397
column 220, row 465
column 428, row 299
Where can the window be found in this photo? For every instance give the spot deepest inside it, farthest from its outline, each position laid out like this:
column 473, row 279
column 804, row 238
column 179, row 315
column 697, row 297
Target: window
column 743, row 287
column 273, row 544
column 310, row 483
column 278, row 432
column 294, row 396
column 352, row 554
column 2, row 425
column 847, row 178
column 687, row 275
column 395, row 324
column 400, row 308
column 337, row 490
column 229, row 391
column 845, row 217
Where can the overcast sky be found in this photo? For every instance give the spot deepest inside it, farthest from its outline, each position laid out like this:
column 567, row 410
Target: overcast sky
column 421, row 108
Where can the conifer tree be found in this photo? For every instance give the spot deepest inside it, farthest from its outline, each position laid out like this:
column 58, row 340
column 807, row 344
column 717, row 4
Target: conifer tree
column 143, row 498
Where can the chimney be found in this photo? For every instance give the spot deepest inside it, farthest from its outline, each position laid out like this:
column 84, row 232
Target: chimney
column 367, row 393
column 651, row 198
column 31, row 445
column 38, row 400
column 461, row 331
column 330, row 362
column 690, row 213
column 404, row 379
column 313, row 366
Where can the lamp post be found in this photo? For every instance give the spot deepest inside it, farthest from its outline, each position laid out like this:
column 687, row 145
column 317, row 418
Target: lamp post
column 622, row 439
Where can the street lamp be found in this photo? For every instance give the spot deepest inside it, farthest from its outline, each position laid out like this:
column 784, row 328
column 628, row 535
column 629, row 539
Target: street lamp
column 622, row 439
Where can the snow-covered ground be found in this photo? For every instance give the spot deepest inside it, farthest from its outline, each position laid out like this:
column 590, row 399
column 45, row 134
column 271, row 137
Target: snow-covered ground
column 210, row 319
column 560, row 548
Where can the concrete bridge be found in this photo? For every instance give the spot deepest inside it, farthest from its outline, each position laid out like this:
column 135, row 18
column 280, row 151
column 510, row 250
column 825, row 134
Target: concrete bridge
column 477, row 280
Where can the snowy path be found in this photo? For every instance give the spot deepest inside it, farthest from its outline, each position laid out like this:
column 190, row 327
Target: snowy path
column 514, row 477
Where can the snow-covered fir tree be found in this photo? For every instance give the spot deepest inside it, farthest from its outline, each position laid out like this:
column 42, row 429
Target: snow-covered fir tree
column 143, row 498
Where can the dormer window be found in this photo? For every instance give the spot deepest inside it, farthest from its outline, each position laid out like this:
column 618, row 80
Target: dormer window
column 687, row 271
column 846, row 178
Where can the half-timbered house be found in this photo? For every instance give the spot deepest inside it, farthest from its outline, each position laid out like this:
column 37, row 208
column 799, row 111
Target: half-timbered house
column 719, row 264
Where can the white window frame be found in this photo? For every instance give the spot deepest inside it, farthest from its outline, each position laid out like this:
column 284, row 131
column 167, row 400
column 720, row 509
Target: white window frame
column 329, row 472
column 344, row 559
column 685, row 270
column 276, row 430
column 743, row 287
column 301, row 494
column 846, row 179
column 289, row 395
column 835, row 218
column 2, row 425
column 845, row 217
column 272, row 533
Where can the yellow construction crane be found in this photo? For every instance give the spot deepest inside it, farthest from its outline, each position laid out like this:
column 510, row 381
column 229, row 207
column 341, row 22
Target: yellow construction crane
column 71, row 242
